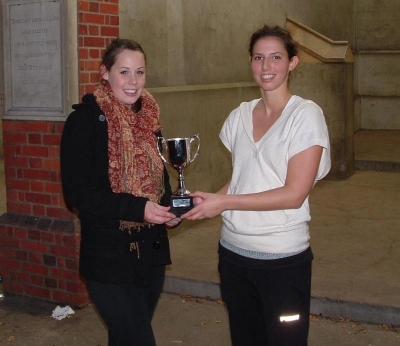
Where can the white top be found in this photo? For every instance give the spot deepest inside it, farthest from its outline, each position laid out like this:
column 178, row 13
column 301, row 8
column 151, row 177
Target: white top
column 260, row 166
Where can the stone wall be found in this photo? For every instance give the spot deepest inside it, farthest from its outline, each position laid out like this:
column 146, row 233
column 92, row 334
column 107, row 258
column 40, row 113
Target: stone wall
column 196, row 42
column 377, row 49
column 201, row 42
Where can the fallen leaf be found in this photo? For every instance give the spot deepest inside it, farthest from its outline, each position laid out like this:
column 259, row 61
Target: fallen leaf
column 390, row 328
column 313, row 318
column 186, row 297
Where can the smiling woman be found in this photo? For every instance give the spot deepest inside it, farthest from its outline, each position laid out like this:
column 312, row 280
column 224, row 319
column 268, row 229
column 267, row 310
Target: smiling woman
column 116, row 182
column 280, row 149
column 270, row 63
column 127, row 76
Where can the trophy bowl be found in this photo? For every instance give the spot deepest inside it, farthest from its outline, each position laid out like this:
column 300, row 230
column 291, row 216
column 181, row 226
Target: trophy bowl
column 177, row 153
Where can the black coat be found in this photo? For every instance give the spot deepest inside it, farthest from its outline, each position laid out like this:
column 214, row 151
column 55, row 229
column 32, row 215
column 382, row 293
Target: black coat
column 106, row 253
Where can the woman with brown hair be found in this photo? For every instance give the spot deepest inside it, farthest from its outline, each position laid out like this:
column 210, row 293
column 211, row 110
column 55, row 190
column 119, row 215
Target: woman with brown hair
column 280, row 149
column 115, row 180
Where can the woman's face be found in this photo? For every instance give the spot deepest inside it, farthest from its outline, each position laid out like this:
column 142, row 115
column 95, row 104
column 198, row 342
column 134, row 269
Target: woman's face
column 270, row 64
column 127, row 76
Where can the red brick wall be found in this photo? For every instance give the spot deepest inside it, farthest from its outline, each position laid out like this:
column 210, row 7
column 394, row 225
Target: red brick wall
column 98, row 24
column 39, row 237
column 32, row 168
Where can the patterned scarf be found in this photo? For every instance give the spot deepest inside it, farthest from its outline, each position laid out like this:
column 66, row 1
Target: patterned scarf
column 135, row 166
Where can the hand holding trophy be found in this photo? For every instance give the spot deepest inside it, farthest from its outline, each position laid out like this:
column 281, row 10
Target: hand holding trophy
column 178, row 154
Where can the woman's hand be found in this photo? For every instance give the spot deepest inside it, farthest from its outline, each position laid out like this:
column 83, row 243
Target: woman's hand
column 207, row 205
column 155, row 213
column 173, row 223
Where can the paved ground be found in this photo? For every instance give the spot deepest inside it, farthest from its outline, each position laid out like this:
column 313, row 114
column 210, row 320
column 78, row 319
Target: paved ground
column 178, row 321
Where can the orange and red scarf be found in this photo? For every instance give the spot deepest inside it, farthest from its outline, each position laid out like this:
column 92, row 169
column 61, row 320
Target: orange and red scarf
column 135, row 166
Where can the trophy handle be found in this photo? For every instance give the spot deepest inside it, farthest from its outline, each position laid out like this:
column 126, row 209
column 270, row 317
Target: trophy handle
column 162, row 145
column 192, row 139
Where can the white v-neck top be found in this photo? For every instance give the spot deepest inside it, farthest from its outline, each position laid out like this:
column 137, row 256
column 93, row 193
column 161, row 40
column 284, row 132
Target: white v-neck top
column 260, row 166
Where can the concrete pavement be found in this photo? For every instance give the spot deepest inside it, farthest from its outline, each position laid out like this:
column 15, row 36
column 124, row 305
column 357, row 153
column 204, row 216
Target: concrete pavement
column 178, row 321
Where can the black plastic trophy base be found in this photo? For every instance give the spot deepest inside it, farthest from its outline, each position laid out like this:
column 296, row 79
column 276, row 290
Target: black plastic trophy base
column 181, row 204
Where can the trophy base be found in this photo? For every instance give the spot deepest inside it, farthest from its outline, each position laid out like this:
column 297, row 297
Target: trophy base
column 181, row 204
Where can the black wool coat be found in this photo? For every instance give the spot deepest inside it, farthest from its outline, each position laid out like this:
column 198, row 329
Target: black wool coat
column 107, row 254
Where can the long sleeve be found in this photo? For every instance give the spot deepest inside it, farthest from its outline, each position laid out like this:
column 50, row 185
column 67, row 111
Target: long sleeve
column 84, row 169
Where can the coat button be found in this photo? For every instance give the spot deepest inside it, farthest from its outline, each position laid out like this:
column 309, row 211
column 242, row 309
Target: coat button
column 156, row 245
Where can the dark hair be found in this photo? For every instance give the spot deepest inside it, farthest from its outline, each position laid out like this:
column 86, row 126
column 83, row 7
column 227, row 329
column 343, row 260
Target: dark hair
column 277, row 32
column 111, row 53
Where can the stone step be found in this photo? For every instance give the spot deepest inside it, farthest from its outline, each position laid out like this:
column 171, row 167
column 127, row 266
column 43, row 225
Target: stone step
column 377, row 150
column 378, row 166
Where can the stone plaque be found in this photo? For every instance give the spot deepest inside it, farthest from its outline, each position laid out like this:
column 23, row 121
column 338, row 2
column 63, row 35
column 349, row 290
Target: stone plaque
column 34, row 73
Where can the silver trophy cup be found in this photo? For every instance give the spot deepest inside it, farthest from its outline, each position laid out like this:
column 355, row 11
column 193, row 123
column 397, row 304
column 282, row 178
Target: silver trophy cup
column 177, row 152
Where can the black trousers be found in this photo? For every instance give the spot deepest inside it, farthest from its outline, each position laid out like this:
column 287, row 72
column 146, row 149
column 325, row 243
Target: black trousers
column 127, row 309
column 268, row 301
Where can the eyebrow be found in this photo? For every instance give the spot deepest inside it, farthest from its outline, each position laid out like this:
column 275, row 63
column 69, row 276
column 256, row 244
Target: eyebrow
column 128, row 68
column 273, row 53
